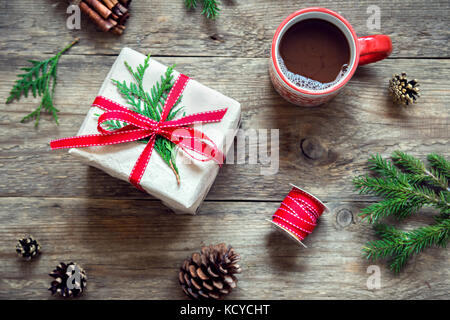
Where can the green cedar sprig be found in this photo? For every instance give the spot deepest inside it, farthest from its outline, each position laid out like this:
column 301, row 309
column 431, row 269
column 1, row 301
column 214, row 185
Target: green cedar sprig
column 406, row 185
column 150, row 104
column 210, row 7
column 41, row 79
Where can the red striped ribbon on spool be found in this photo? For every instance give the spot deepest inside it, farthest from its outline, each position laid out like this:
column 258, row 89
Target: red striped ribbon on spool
column 298, row 214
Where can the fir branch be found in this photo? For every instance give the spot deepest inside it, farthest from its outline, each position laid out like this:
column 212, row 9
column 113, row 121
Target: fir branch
column 409, row 198
column 405, row 192
column 150, row 104
column 402, row 192
column 401, row 246
column 210, row 7
column 41, row 79
column 398, row 207
column 419, row 172
column 190, row 3
column 440, row 164
column 387, row 169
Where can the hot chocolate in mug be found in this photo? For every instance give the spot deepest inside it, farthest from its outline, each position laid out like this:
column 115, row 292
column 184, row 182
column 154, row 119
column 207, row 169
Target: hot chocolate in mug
column 362, row 51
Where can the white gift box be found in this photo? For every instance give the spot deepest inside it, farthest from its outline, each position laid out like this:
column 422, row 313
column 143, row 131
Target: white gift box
column 196, row 178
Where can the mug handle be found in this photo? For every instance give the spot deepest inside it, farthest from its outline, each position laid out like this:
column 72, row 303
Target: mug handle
column 374, row 48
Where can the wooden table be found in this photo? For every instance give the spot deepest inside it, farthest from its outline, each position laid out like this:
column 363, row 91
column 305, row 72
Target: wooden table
column 131, row 245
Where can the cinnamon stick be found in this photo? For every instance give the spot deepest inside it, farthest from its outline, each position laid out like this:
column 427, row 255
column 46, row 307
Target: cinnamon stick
column 108, row 15
column 123, row 19
column 126, row 3
column 121, row 8
column 115, row 7
column 104, row 25
column 99, row 7
column 117, row 12
column 112, row 22
column 109, row 4
column 118, row 30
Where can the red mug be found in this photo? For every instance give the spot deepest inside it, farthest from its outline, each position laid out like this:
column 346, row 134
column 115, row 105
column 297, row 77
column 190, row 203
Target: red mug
column 363, row 50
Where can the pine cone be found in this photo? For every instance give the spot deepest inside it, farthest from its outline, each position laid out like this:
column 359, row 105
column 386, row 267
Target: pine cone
column 210, row 274
column 403, row 91
column 62, row 273
column 28, row 247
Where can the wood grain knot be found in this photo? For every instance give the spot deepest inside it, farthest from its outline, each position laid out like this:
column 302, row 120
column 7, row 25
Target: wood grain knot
column 216, row 37
column 312, row 148
column 344, row 218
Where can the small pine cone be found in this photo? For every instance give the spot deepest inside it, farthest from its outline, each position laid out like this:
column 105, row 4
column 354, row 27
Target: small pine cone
column 403, row 91
column 28, row 248
column 210, row 274
column 72, row 288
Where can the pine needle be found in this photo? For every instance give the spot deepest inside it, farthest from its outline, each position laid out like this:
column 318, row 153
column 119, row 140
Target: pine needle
column 190, row 3
column 419, row 173
column 40, row 78
column 440, row 164
column 406, row 185
column 399, row 246
column 210, row 7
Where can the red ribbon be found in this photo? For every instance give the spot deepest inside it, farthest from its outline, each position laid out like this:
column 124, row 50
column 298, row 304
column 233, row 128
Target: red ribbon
column 140, row 127
column 298, row 213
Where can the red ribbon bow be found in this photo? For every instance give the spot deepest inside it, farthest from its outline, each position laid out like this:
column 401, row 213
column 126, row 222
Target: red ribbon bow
column 140, row 127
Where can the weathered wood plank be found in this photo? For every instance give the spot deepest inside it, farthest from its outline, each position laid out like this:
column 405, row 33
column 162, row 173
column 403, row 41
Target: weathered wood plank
column 131, row 245
column 244, row 29
column 341, row 134
column 133, row 249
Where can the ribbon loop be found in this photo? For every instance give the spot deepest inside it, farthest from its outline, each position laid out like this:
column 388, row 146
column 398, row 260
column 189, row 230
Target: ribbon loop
column 188, row 138
column 139, row 127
